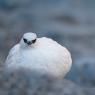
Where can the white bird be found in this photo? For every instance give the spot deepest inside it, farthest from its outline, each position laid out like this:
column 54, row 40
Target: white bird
column 40, row 54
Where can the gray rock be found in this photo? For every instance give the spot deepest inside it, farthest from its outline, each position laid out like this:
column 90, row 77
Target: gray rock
column 83, row 72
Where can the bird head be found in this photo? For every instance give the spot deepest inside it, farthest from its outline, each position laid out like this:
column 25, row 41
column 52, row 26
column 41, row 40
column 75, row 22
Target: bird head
column 29, row 39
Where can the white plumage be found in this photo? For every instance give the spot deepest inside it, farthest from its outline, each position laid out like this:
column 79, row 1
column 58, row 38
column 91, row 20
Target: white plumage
column 42, row 54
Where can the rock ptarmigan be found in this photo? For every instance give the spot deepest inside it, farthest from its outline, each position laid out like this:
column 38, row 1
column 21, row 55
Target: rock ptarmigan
column 41, row 54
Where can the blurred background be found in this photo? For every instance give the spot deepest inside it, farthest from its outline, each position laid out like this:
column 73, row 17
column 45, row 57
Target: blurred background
column 69, row 22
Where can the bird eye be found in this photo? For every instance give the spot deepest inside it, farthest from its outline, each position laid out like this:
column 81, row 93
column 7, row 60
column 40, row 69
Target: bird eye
column 25, row 40
column 33, row 41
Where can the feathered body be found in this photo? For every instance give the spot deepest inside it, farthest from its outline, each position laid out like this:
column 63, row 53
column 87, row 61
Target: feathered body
column 45, row 56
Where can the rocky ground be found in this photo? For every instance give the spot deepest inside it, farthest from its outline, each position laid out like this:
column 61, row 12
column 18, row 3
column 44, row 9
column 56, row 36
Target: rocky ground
column 69, row 22
column 25, row 82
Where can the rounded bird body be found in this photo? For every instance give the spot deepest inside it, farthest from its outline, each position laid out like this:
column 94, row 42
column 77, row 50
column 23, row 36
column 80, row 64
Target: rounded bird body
column 44, row 55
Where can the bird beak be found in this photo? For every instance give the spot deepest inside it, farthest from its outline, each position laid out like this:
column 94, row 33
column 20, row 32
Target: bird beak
column 29, row 43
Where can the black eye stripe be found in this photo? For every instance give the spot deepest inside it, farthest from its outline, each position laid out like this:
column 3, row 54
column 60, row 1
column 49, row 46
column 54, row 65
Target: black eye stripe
column 33, row 41
column 25, row 40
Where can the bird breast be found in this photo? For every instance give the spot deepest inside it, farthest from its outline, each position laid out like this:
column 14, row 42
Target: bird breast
column 48, row 58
